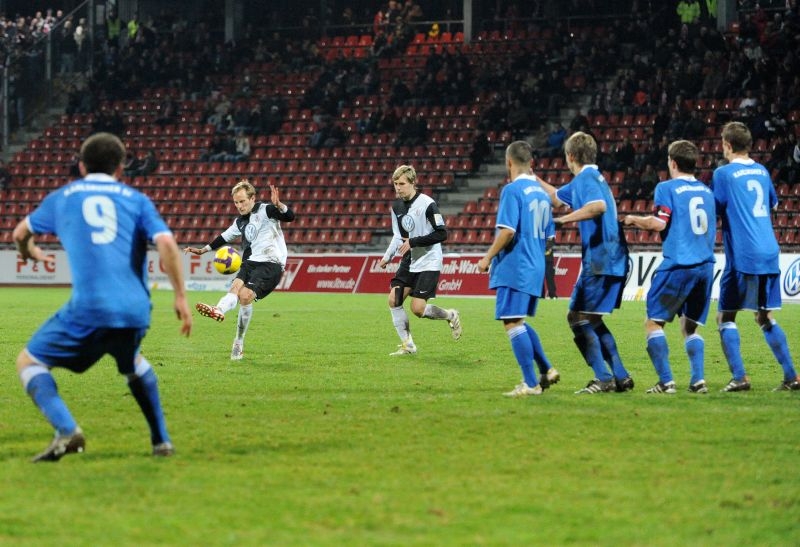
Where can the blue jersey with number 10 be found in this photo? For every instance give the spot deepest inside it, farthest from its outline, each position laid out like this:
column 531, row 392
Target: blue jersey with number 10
column 745, row 197
column 104, row 227
column 526, row 209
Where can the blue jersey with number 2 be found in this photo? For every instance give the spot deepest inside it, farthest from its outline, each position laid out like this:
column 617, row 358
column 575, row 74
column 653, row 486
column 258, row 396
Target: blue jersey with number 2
column 745, row 196
column 104, row 227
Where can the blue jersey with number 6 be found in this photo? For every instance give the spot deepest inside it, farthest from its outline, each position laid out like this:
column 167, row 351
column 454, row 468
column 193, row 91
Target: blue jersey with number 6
column 686, row 205
column 745, row 197
column 104, row 227
column 526, row 209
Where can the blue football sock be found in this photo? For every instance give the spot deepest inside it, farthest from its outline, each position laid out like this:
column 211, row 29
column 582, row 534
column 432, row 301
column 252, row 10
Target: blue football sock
column 42, row 389
column 538, row 351
column 586, row 338
column 145, row 390
column 729, row 335
column 609, row 348
column 658, row 350
column 696, row 349
column 523, row 351
column 776, row 339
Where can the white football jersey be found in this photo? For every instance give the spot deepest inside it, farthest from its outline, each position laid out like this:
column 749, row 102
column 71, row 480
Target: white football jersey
column 261, row 233
column 417, row 218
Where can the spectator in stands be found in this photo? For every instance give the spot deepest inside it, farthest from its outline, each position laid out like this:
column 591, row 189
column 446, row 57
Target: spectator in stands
column 215, row 149
column 67, row 46
column 399, row 93
column 493, row 117
column 624, row 154
column 242, row 147
column 149, row 164
column 131, row 165
column 648, row 181
column 519, row 119
column 481, row 149
column 749, row 101
column 579, row 122
column 167, row 112
column 695, row 127
column 82, row 50
column 5, row 176
column 688, row 11
column 631, row 185
column 113, row 28
column 555, row 139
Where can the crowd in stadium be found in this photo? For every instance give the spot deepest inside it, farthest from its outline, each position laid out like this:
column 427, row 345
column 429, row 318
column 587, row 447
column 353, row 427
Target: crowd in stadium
column 677, row 75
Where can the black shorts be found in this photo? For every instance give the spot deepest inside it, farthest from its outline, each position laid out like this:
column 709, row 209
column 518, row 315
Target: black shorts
column 260, row 277
column 423, row 284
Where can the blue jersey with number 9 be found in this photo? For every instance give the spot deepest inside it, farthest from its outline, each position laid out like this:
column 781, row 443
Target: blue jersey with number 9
column 104, row 227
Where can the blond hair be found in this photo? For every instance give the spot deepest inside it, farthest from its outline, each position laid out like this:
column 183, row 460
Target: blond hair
column 405, row 170
column 245, row 185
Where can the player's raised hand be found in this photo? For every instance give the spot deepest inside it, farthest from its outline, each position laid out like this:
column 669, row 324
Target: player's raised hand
column 274, row 195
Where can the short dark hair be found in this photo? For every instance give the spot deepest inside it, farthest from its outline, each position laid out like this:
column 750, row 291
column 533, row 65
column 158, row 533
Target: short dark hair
column 684, row 154
column 520, row 153
column 102, row 153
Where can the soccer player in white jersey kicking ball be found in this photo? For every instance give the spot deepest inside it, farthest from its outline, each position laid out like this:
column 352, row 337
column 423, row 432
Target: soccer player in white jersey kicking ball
column 263, row 257
column 419, row 230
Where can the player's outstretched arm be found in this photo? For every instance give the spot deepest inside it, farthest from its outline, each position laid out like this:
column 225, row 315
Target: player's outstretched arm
column 171, row 259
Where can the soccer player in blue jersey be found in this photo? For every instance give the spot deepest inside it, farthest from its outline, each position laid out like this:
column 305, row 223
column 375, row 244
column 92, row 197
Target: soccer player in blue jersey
column 418, row 230
column 105, row 227
column 515, row 262
column 744, row 196
column 686, row 218
column 604, row 263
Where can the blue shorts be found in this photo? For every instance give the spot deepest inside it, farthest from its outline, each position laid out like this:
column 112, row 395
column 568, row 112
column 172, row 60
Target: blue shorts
column 58, row 343
column 513, row 304
column 753, row 292
column 597, row 294
column 681, row 291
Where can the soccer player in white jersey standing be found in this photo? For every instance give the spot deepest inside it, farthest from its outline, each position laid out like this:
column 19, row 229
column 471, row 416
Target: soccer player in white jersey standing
column 105, row 227
column 263, row 257
column 744, row 196
column 419, row 230
column 685, row 216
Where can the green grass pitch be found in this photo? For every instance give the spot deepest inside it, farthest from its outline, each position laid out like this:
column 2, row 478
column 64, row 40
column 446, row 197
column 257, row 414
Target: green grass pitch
column 318, row 437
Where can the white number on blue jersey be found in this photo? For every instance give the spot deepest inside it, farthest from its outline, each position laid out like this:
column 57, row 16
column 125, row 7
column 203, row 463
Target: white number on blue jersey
column 759, row 209
column 100, row 212
column 698, row 215
column 541, row 218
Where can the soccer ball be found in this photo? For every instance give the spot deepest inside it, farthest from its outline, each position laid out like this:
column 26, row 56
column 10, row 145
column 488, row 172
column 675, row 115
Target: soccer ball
column 227, row 260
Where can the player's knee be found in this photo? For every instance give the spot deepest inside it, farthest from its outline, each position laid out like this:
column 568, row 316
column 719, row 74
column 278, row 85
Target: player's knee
column 396, row 297
column 245, row 296
column 764, row 320
column 23, row 361
column 572, row 318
